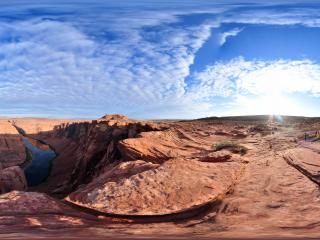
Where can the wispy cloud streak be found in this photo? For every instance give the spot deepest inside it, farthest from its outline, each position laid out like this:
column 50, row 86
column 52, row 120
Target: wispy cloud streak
column 79, row 59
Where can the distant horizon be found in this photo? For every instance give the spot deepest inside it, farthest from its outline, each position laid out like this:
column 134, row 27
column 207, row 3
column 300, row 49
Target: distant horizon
column 94, row 118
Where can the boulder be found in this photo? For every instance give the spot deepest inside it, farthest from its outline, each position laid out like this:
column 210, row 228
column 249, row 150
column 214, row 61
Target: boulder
column 148, row 189
column 221, row 156
column 12, row 178
column 306, row 161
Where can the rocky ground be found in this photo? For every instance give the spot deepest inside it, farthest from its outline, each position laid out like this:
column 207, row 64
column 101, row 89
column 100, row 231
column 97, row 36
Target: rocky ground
column 135, row 179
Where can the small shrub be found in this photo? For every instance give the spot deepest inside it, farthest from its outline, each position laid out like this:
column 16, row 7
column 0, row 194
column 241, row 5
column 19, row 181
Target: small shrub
column 233, row 147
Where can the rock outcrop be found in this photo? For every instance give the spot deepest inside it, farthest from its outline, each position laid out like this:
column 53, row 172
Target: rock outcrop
column 28, row 203
column 120, row 166
column 35, row 125
column 160, row 146
column 305, row 160
column 159, row 173
column 119, row 178
column 30, row 211
column 88, row 148
column 141, row 188
column 12, row 149
column 12, row 178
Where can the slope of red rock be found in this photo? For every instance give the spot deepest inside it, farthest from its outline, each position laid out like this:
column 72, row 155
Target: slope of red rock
column 117, row 173
column 12, row 178
column 12, row 150
column 23, row 212
column 306, row 161
column 141, row 188
column 12, row 156
column 87, row 148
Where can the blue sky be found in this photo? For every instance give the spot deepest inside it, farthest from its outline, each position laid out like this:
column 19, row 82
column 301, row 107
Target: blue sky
column 159, row 59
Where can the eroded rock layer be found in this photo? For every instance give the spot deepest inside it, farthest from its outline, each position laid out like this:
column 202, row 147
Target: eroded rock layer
column 141, row 188
column 23, row 211
column 12, row 178
column 117, row 173
column 88, row 148
column 305, row 160
column 12, row 149
column 120, row 166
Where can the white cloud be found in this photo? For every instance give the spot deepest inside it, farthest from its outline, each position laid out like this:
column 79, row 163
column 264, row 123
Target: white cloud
column 47, row 64
column 232, row 33
column 260, row 87
column 239, row 76
column 101, row 58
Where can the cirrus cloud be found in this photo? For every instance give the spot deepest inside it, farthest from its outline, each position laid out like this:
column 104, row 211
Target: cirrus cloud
column 241, row 77
column 80, row 60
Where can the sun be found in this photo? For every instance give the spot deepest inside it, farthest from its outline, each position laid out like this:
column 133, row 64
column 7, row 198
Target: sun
column 270, row 104
column 275, row 105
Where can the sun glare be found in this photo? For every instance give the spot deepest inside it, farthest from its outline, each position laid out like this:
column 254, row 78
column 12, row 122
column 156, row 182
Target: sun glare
column 272, row 104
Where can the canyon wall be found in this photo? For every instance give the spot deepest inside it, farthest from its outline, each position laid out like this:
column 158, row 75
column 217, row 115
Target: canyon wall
column 12, row 155
column 119, row 166
column 124, row 167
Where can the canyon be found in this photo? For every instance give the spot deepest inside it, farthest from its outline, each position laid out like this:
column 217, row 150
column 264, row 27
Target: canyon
column 251, row 176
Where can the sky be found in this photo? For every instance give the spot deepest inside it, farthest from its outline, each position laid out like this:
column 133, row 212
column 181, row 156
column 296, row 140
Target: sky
column 159, row 59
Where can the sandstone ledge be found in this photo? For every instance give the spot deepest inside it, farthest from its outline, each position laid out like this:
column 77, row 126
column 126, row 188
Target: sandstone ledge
column 139, row 188
column 306, row 161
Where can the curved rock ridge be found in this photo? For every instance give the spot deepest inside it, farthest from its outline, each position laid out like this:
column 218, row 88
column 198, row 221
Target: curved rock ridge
column 12, row 178
column 160, row 146
column 88, row 148
column 126, row 167
column 170, row 179
column 148, row 189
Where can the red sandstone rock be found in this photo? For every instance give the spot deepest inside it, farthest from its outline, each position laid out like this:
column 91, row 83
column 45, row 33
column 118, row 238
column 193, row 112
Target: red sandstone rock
column 116, row 117
column 28, row 203
column 160, row 146
column 30, row 211
column 271, row 199
column 141, row 188
column 12, row 149
column 12, row 178
column 306, row 161
column 220, row 156
column 222, row 133
column 36, row 125
column 87, row 149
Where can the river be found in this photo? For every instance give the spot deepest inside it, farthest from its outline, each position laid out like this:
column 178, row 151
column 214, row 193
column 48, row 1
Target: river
column 38, row 168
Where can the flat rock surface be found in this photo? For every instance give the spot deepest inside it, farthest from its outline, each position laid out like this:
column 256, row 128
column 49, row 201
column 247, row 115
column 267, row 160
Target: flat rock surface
column 31, row 211
column 314, row 146
column 36, row 125
column 17, row 202
column 140, row 188
column 306, row 160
